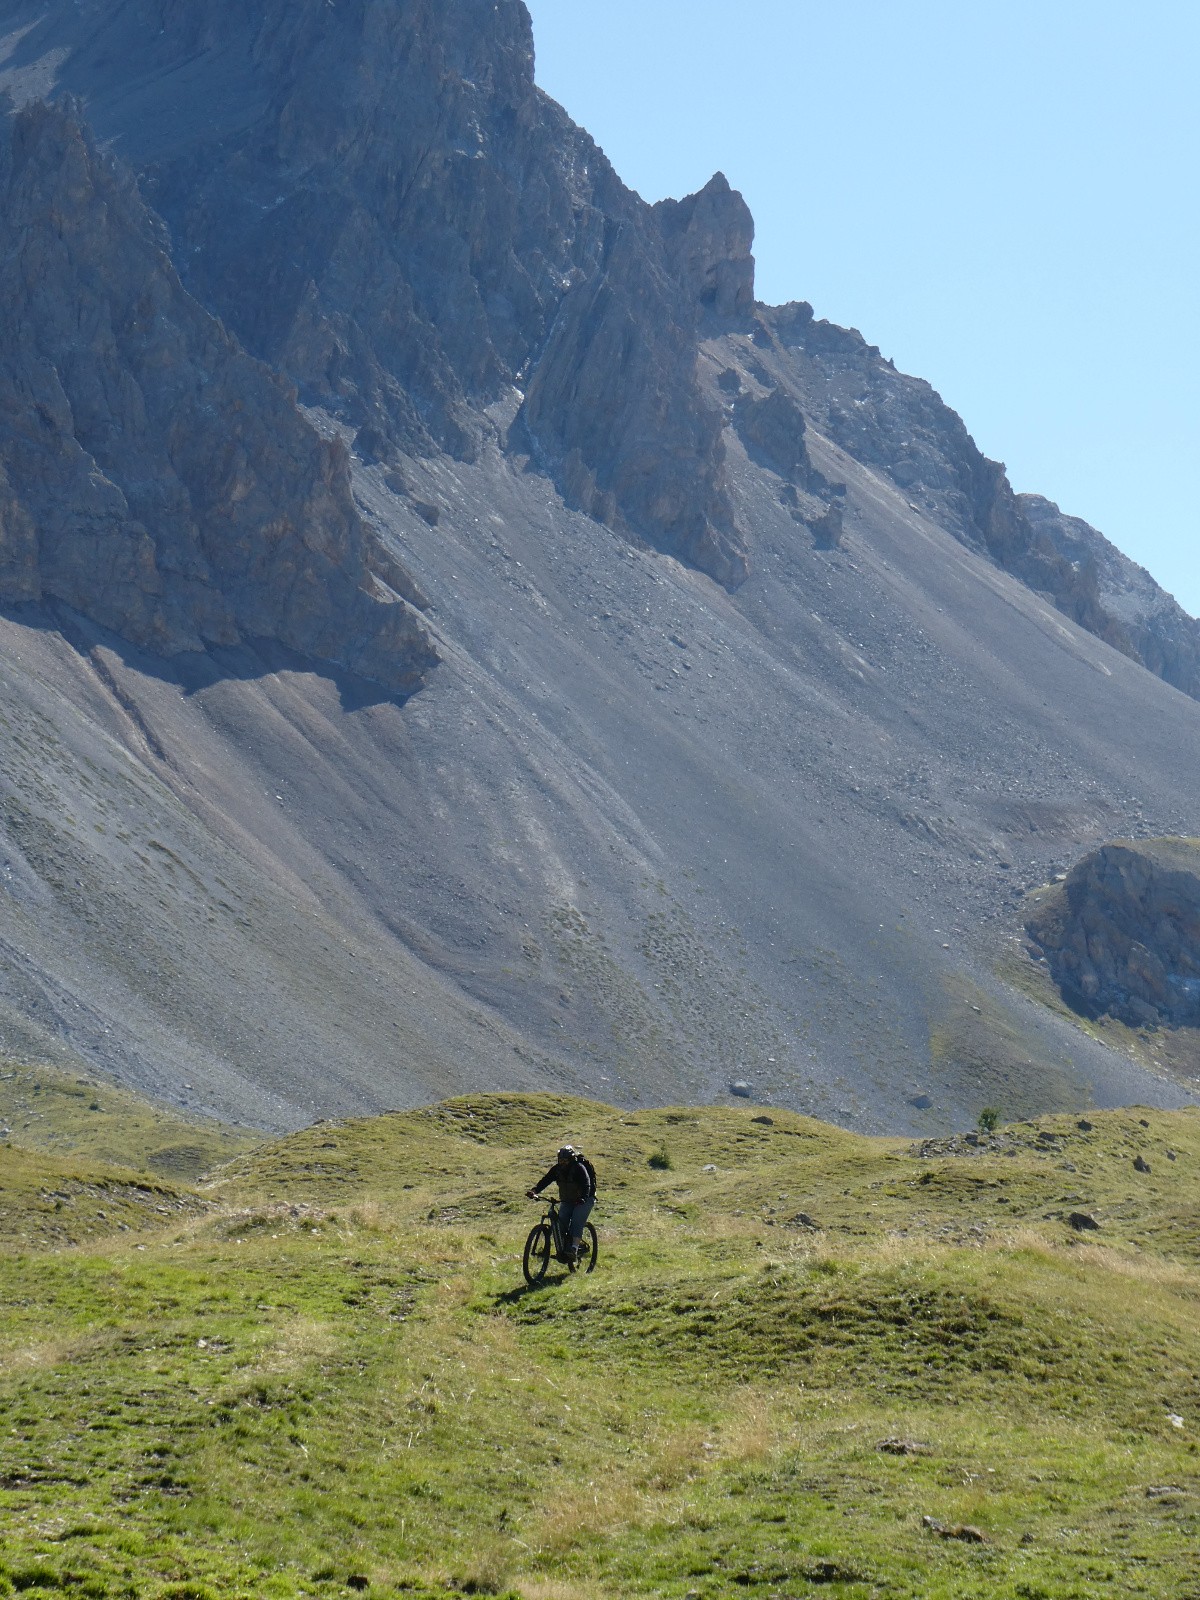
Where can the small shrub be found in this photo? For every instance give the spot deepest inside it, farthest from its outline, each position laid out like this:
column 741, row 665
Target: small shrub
column 660, row 1159
column 989, row 1120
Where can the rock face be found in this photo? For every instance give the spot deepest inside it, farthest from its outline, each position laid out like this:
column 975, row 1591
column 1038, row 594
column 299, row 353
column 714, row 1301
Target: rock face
column 772, row 429
column 901, row 426
column 709, row 239
column 378, row 202
column 613, row 410
column 152, row 476
column 381, row 204
column 1122, row 934
column 1157, row 630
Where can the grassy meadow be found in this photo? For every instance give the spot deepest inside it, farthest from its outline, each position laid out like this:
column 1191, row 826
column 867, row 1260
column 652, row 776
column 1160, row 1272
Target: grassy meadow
column 808, row 1363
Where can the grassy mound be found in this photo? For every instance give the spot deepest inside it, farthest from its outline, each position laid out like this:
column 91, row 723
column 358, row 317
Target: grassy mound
column 807, row 1363
column 45, row 1108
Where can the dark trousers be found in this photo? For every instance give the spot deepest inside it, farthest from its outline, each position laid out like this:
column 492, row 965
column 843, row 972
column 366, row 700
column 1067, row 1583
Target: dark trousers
column 572, row 1214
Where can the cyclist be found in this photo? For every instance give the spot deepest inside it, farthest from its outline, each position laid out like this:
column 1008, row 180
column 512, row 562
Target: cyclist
column 576, row 1195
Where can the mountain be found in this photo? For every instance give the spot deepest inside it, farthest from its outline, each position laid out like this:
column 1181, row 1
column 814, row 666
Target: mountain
column 454, row 636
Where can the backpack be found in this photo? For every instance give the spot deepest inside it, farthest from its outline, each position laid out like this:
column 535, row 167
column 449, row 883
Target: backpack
column 591, row 1172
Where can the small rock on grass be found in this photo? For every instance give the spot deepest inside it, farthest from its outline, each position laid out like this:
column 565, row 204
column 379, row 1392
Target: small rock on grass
column 893, row 1446
column 1140, row 1164
column 802, row 1220
column 1082, row 1221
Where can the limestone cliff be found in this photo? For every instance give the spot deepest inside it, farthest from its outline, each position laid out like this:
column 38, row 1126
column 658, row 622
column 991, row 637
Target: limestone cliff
column 1122, row 933
column 1157, row 630
column 379, row 202
column 152, row 475
column 901, row 426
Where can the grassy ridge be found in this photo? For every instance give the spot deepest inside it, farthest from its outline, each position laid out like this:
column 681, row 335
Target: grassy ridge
column 45, row 1108
column 319, row 1372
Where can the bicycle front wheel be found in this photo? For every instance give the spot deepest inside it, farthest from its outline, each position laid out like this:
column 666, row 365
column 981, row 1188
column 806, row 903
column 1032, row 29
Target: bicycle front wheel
column 537, row 1253
column 588, row 1250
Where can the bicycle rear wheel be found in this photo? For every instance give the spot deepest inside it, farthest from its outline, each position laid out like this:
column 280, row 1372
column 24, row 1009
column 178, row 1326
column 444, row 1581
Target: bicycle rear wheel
column 589, row 1248
column 537, row 1253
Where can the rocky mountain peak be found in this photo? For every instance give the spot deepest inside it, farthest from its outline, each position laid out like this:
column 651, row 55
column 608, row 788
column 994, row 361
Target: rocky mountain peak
column 305, row 297
column 709, row 238
column 378, row 201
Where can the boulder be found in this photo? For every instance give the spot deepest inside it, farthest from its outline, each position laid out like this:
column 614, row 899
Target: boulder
column 772, row 429
column 827, row 529
column 803, row 1220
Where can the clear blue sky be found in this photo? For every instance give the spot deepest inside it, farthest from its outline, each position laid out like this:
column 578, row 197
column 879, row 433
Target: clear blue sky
column 1004, row 197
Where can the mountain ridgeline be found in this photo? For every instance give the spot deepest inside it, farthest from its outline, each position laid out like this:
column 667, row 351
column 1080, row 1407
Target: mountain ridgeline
column 539, row 661
column 378, row 203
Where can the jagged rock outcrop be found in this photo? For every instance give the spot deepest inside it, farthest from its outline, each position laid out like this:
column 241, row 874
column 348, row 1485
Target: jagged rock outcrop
column 379, row 202
column 617, row 416
column 710, row 240
column 1122, row 934
column 772, row 428
column 1158, row 631
column 152, row 475
column 901, row 426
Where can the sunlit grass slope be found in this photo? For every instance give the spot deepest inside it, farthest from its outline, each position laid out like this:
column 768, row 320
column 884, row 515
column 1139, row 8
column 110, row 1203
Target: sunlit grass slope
column 807, row 1363
column 46, row 1108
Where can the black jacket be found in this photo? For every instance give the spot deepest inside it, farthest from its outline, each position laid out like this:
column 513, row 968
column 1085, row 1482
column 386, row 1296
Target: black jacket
column 574, row 1182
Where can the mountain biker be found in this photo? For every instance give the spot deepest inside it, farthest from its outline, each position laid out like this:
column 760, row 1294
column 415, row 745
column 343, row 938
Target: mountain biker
column 576, row 1195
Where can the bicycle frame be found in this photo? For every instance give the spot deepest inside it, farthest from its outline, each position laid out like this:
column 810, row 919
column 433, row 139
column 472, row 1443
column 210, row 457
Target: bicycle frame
column 552, row 1217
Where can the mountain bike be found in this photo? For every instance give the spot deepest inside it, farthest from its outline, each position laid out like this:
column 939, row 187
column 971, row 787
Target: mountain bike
column 546, row 1236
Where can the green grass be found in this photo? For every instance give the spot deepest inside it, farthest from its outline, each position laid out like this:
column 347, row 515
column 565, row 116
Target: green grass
column 46, row 1108
column 319, row 1371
